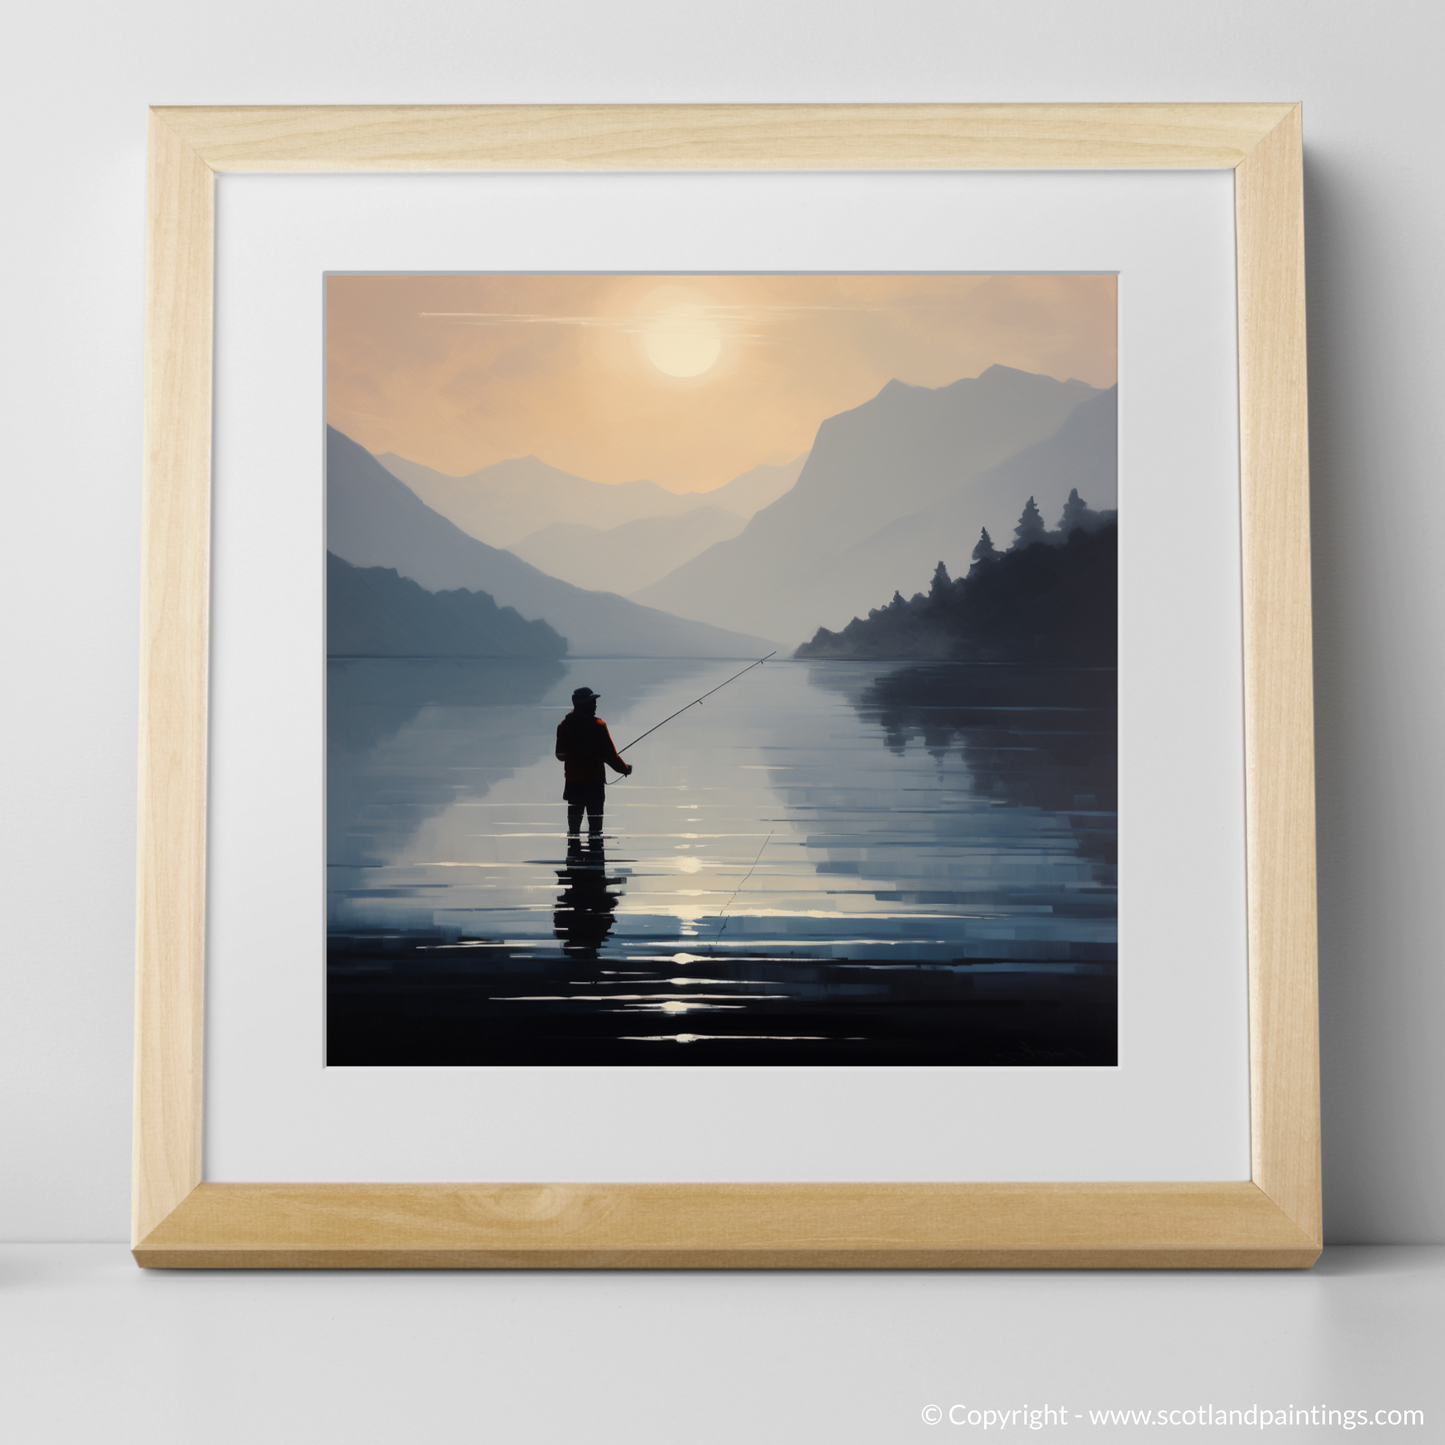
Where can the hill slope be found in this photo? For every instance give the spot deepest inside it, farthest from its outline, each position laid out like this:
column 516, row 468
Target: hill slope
column 1045, row 603
column 1082, row 454
column 903, row 451
column 755, row 489
column 624, row 558
column 375, row 612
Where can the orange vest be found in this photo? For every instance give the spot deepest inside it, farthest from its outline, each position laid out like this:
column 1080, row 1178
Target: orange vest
column 584, row 745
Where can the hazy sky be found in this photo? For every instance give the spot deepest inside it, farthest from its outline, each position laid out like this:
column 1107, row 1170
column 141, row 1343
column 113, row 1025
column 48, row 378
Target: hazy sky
column 687, row 380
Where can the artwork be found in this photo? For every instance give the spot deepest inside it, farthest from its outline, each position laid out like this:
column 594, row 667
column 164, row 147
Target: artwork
column 721, row 670
column 1177, row 1219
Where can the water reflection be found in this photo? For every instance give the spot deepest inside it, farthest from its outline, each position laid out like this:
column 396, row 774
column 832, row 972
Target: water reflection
column 467, row 720
column 583, row 916
column 828, row 863
column 1031, row 737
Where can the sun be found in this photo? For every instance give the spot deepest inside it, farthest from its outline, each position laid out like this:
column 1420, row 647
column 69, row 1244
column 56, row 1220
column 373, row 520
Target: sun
column 682, row 341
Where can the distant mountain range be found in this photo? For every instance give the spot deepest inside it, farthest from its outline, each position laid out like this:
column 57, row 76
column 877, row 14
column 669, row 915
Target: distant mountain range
column 889, row 489
column 623, row 559
column 508, row 502
column 896, row 484
column 374, row 520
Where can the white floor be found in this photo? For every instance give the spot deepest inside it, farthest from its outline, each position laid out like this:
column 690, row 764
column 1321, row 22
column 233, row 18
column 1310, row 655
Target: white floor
column 94, row 1350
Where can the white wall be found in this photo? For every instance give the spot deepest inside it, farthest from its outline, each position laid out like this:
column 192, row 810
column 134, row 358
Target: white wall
column 78, row 79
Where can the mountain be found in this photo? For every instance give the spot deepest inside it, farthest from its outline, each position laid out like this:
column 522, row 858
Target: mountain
column 624, row 558
column 1082, row 454
column 755, row 489
column 375, row 612
column 508, row 501
column 906, row 450
column 374, row 520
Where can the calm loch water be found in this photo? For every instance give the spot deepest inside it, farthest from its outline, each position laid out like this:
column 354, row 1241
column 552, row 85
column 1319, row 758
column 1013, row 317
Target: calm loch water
column 825, row 863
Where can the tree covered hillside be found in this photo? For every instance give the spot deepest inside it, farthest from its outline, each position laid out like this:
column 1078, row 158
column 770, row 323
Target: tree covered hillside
column 375, row 612
column 1051, row 598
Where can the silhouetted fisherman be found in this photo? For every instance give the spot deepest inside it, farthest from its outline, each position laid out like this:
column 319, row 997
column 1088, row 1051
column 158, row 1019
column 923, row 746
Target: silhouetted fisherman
column 586, row 750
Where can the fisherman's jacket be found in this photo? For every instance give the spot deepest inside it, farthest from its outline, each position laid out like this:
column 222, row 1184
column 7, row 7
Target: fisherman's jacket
column 584, row 745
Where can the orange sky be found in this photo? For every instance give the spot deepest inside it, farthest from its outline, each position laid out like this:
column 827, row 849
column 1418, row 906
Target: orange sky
column 687, row 380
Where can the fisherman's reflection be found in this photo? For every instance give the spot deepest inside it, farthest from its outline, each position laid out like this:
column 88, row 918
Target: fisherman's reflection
column 582, row 918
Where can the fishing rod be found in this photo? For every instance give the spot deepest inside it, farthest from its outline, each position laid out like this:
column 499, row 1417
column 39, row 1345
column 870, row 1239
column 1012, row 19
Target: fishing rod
column 696, row 701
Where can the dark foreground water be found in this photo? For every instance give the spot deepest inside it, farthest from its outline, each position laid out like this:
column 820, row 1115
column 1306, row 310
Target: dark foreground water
column 826, row 863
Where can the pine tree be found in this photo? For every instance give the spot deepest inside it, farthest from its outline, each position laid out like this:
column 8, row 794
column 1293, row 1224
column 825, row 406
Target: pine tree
column 941, row 585
column 984, row 550
column 1030, row 528
column 1077, row 513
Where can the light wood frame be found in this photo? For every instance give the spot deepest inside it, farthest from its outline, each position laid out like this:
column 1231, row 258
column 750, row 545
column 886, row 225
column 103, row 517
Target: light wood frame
column 1272, row 1220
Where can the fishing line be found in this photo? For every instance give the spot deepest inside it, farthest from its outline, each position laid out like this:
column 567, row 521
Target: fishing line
column 741, row 885
column 696, row 701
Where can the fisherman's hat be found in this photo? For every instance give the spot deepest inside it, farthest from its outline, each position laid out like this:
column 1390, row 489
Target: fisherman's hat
column 584, row 694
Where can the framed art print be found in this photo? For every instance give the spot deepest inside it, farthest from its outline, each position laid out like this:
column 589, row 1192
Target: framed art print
column 758, row 689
